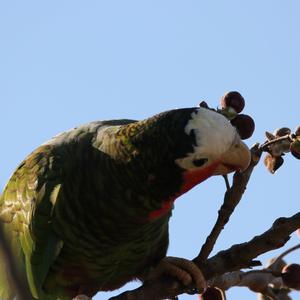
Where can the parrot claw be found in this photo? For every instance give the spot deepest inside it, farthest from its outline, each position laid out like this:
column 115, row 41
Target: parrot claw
column 184, row 270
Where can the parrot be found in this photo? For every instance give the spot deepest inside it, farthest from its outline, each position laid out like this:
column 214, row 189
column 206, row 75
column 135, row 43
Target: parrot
column 89, row 210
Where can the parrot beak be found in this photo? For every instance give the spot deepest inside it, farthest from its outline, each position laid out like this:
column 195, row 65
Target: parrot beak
column 236, row 158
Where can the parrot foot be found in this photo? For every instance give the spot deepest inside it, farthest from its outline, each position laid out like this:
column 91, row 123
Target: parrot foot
column 82, row 297
column 184, row 270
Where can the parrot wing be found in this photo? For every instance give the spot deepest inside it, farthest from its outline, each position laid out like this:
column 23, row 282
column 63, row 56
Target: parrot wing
column 28, row 203
column 26, row 208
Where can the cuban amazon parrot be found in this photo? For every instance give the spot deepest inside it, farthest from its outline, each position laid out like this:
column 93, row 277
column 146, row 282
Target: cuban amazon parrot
column 88, row 210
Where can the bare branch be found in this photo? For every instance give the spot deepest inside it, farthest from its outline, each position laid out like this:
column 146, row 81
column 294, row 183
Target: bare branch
column 235, row 258
column 231, row 200
column 282, row 255
column 287, row 137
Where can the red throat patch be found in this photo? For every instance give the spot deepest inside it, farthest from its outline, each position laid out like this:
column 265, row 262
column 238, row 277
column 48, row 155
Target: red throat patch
column 190, row 179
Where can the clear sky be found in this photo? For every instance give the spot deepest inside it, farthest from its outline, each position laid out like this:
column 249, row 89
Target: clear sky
column 64, row 63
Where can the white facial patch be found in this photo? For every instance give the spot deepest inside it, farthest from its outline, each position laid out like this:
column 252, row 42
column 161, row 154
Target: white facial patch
column 213, row 133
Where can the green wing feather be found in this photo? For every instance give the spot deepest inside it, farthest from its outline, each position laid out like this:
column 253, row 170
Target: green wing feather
column 26, row 207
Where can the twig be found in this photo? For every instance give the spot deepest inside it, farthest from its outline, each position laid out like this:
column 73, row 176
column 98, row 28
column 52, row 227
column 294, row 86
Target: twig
column 223, row 295
column 226, row 182
column 265, row 145
column 232, row 198
column 284, row 254
column 256, row 280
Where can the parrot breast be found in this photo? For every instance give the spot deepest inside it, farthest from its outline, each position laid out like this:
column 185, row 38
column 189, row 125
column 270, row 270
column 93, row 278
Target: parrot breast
column 190, row 179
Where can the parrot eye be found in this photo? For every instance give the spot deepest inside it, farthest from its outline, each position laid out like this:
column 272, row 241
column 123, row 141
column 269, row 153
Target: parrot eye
column 200, row 162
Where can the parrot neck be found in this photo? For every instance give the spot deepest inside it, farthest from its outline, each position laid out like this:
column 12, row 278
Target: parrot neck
column 190, row 179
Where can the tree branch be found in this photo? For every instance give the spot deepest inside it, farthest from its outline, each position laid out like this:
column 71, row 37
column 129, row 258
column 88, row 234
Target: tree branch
column 232, row 198
column 235, row 258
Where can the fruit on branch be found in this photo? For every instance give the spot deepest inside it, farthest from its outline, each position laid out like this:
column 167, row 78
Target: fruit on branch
column 291, row 276
column 281, row 294
column 279, row 147
column 273, row 163
column 244, row 124
column 295, row 148
column 211, row 293
column 279, row 143
column 203, row 104
column 282, row 131
column 275, row 264
column 234, row 100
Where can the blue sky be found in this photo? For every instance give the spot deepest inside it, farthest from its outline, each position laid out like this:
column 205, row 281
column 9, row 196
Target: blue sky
column 64, row 63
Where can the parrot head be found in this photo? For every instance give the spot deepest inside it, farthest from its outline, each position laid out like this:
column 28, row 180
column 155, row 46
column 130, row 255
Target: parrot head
column 209, row 146
column 218, row 148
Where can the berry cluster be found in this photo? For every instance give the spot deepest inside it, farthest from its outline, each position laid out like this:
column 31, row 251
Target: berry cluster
column 291, row 276
column 211, row 293
column 295, row 145
column 231, row 104
column 280, row 142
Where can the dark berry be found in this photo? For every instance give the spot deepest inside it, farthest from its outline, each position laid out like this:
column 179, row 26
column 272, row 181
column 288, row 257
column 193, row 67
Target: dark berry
column 234, row 100
column 282, row 131
column 244, row 124
column 273, row 163
column 291, row 276
column 295, row 148
column 203, row 104
column 211, row 293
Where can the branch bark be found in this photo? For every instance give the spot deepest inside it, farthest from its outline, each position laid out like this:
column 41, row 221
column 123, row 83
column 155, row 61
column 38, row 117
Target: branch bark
column 235, row 258
column 232, row 198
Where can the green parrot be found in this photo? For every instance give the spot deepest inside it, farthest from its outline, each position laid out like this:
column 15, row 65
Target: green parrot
column 88, row 210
